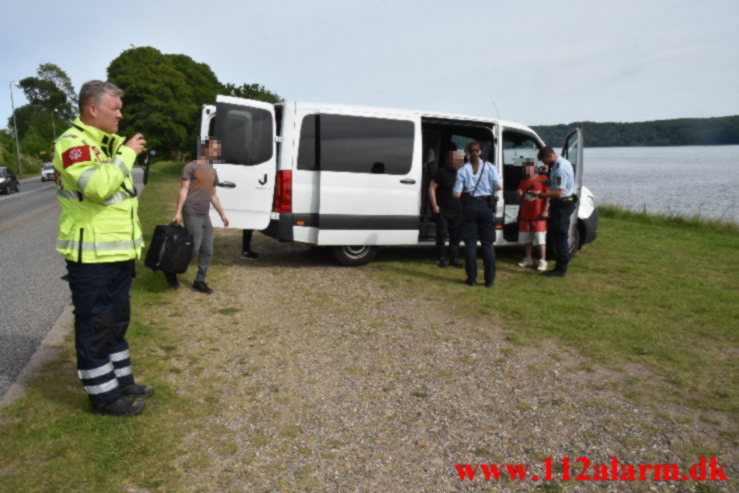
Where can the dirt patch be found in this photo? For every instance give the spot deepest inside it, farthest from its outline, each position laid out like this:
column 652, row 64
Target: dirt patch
column 327, row 378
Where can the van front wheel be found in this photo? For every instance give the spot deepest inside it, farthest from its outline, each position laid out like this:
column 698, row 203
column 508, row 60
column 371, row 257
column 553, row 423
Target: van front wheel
column 352, row 256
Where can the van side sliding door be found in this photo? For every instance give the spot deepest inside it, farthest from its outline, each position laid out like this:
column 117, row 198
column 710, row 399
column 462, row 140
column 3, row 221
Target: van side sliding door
column 370, row 179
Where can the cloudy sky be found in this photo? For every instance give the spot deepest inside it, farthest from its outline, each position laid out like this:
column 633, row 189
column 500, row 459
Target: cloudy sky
column 537, row 62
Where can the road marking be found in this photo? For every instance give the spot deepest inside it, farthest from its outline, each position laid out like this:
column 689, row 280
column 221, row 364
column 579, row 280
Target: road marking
column 19, row 194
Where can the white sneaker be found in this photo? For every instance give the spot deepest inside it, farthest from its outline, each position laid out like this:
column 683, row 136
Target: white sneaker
column 526, row 262
column 542, row 265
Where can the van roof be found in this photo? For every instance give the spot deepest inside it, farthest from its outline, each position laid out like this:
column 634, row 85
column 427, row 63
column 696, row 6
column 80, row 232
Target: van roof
column 380, row 111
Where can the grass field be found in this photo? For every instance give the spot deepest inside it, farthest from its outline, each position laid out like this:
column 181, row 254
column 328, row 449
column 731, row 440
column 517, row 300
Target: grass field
column 653, row 291
column 653, row 299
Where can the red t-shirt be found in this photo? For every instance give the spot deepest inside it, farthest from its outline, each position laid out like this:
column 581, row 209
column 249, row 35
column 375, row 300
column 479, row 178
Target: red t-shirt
column 531, row 207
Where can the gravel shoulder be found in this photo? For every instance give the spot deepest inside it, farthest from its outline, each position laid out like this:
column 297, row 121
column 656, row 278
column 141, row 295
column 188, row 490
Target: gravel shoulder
column 325, row 378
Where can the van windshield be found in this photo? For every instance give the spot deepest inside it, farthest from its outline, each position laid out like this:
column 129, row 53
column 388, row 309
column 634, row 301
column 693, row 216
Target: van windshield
column 246, row 134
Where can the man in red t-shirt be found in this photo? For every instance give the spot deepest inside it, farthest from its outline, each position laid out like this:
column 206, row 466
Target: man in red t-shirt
column 532, row 223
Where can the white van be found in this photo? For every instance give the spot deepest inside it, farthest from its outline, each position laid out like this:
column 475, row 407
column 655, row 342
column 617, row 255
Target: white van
column 352, row 178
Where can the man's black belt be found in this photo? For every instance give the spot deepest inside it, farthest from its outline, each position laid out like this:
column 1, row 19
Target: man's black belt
column 481, row 198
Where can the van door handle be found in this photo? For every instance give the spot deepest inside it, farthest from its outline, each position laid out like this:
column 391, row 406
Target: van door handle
column 408, row 181
column 226, row 184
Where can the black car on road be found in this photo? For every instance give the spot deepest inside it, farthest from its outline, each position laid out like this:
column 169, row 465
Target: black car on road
column 8, row 181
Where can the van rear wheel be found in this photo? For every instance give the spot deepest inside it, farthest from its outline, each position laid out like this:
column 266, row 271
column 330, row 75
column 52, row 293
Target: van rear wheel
column 352, row 256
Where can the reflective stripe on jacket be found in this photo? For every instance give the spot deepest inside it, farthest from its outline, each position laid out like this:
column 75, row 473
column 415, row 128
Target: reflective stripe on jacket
column 99, row 216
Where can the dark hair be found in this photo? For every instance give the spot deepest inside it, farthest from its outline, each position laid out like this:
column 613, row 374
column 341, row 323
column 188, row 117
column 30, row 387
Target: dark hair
column 469, row 145
column 545, row 152
column 92, row 90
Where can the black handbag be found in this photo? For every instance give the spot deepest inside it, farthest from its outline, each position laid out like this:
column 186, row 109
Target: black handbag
column 170, row 250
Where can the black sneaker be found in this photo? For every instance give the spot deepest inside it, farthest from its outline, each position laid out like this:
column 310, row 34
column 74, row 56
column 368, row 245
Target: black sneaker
column 123, row 406
column 250, row 255
column 201, row 287
column 554, row 273
column 456, row 263
column 172, row 281
column 469, row 282
column 136, row 390
column 442, row 264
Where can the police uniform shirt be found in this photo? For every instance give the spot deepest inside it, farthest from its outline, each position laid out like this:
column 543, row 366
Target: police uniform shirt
column 562, row 177
column 466, row 179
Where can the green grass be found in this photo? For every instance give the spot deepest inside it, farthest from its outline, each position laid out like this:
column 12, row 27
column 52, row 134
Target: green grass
column 652, row 290
column 49, row 441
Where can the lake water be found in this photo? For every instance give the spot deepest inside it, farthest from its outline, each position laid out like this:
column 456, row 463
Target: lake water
column 678, row 181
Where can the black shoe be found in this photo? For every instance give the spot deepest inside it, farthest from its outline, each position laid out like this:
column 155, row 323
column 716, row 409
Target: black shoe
column 469, row 283
column 123, row 406
column 201, row 287
column 172, row 280
column 136, row 390
column 250, row 255
column 456, row 263
column 489, row 284
column 442, row 264
column 554, row 273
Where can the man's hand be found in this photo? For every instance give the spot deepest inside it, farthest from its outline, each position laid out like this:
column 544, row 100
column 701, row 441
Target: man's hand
column 137, row 143
column 225, row 220
column 177, row 218
column 436, row 209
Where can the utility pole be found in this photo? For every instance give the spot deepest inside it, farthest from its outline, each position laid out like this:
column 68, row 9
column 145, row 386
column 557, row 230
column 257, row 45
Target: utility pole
column 15, row 127
column 53, row 127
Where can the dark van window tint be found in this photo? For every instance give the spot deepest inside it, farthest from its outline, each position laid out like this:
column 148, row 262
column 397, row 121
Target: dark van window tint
column 246, row 134
column 365, row 145
column 307, row 147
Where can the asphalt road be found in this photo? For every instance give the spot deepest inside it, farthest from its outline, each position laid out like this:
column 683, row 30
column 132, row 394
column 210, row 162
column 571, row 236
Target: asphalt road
column 32, row 294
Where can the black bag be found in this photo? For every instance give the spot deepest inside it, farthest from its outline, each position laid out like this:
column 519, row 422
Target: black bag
column 170, row 250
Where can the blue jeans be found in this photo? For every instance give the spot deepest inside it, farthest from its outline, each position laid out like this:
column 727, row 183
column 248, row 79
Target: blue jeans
column 479, row 222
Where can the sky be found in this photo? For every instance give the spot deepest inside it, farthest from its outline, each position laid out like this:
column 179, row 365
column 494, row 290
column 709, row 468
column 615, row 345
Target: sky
column 534, row 62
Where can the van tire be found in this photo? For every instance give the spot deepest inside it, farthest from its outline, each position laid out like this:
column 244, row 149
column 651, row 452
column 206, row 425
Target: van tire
column 353, row 256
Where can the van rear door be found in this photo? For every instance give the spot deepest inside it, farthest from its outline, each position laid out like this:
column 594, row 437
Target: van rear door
column 246, row 170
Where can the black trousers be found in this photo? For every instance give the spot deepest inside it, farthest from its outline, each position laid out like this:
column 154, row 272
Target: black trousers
column 479, row 222
column 448, row 222
column 246, row 240
column 102, row 311
column 559, row 230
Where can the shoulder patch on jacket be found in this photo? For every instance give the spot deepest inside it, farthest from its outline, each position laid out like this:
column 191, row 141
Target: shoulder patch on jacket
column 75, row 155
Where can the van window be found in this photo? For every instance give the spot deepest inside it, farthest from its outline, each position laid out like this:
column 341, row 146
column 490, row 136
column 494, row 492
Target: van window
column 356, row 144
column 246, row 134
column 517, row 148
column 307, row 146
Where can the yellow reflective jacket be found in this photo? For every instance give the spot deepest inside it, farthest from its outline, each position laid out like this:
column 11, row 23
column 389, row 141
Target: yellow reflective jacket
column 99, row 219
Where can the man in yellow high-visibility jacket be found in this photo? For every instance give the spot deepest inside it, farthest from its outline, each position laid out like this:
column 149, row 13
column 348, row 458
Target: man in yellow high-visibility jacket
column 100, row 238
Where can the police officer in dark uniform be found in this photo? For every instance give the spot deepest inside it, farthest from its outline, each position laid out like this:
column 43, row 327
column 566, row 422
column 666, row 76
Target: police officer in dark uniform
column 477, row 182
column 562, row 205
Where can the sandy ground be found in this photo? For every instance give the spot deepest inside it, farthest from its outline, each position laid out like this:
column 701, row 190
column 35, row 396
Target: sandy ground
column 324, row 378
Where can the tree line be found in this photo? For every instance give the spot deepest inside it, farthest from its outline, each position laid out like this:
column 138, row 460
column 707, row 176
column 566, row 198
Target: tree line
column 681, row 131
column 163, row 94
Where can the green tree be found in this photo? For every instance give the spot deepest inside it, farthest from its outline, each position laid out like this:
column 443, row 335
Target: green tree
column 252, row 91
column 163, row 96
column 51, row 91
